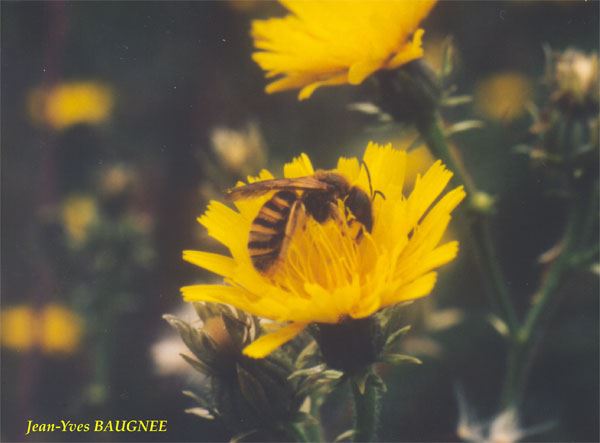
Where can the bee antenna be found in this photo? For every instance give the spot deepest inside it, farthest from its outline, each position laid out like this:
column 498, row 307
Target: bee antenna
column 369, row 178
column 378, row 192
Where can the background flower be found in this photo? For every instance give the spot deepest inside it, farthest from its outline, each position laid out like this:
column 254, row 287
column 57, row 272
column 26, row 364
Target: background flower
column 71, row 103
column 504, row 96
column 55, row 329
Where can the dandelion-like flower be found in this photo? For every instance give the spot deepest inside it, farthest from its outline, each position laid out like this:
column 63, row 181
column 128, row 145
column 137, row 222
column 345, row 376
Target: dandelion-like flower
column 327, row 275
column 71, row 103
column 323, row 43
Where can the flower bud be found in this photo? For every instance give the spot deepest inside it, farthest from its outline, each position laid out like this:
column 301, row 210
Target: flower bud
column 573, row 75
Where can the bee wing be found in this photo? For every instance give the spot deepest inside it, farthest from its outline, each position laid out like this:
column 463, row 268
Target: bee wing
column 293, row 184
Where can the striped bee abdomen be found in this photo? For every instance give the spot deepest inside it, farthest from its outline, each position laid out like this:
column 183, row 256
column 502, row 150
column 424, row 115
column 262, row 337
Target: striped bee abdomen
column 267, row 239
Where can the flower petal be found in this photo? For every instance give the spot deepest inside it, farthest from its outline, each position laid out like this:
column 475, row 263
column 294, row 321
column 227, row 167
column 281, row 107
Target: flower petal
column 349, row 168
column 300, row 166
column 217, row 263
column 409, row 52
column 418, row 288
column 227, row 226
column 308, row 90
column 268, row 343
column 361, row 70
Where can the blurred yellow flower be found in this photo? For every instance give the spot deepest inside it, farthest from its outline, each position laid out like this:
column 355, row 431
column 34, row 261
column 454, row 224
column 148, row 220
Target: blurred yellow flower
column 78, row 213
column 327, row 275
column 55, row 330
column 503, row 96
column 68, row 104
column 17, row 328
column 324, row 43
column 61, row 330
column 116, row 179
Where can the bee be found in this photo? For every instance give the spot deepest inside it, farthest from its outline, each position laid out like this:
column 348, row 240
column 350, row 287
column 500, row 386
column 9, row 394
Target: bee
column 314, row 195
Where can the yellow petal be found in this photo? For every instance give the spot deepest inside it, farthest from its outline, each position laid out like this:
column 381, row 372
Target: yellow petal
column 387, row 167
column 349, row 168
column 409, row 52
column 308, row 90
column 361, row 70
column 426, row 190
column 268, row 343
column 298, row 167
column 226, row 226
column 418, row 288
column 217, row 263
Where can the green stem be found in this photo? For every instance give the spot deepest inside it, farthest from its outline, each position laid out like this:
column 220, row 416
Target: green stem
column 524, row 345
column 366, row 409
column 314, row 431
column 297, row 433
column 499, row 295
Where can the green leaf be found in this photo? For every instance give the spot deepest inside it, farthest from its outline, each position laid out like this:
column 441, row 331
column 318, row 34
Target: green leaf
column 197, row 365
column 466, row 125
column 331, row 374
column 360, row 381
column 499, row 325
column 396, row 335
column 346, row 435
column 241, row 436
column 308, row 371
column 306, row 354
column 396, row 359
column 253, row 392
column 200, row 412
column 456, row 100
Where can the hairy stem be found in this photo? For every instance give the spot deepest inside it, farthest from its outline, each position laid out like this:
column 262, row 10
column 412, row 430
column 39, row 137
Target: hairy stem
column 366, row 409
column 524, row 345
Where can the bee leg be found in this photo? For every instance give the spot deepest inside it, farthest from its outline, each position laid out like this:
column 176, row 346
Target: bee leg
column 360, row 234
column 334, row 213
column 296, row 214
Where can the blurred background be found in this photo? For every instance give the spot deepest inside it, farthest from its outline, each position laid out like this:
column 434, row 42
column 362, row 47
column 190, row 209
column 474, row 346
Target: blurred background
column 121, row 120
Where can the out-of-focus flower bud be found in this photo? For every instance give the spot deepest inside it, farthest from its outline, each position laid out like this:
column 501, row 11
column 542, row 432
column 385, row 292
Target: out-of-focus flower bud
column 573, row 76
column 239, row 151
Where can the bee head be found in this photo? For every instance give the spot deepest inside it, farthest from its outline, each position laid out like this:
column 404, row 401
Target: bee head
column 338, row 185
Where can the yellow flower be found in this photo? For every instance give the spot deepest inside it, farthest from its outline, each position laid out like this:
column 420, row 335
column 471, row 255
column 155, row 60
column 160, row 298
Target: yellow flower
column 326, row 275
column 17, row 328
column 504, row 96
column 324, row 43
column 61, row 330
column 68, row 104
column 55, row 329
column 78, row 213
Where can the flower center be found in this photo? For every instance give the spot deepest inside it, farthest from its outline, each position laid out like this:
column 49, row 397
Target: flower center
column 326, row 254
